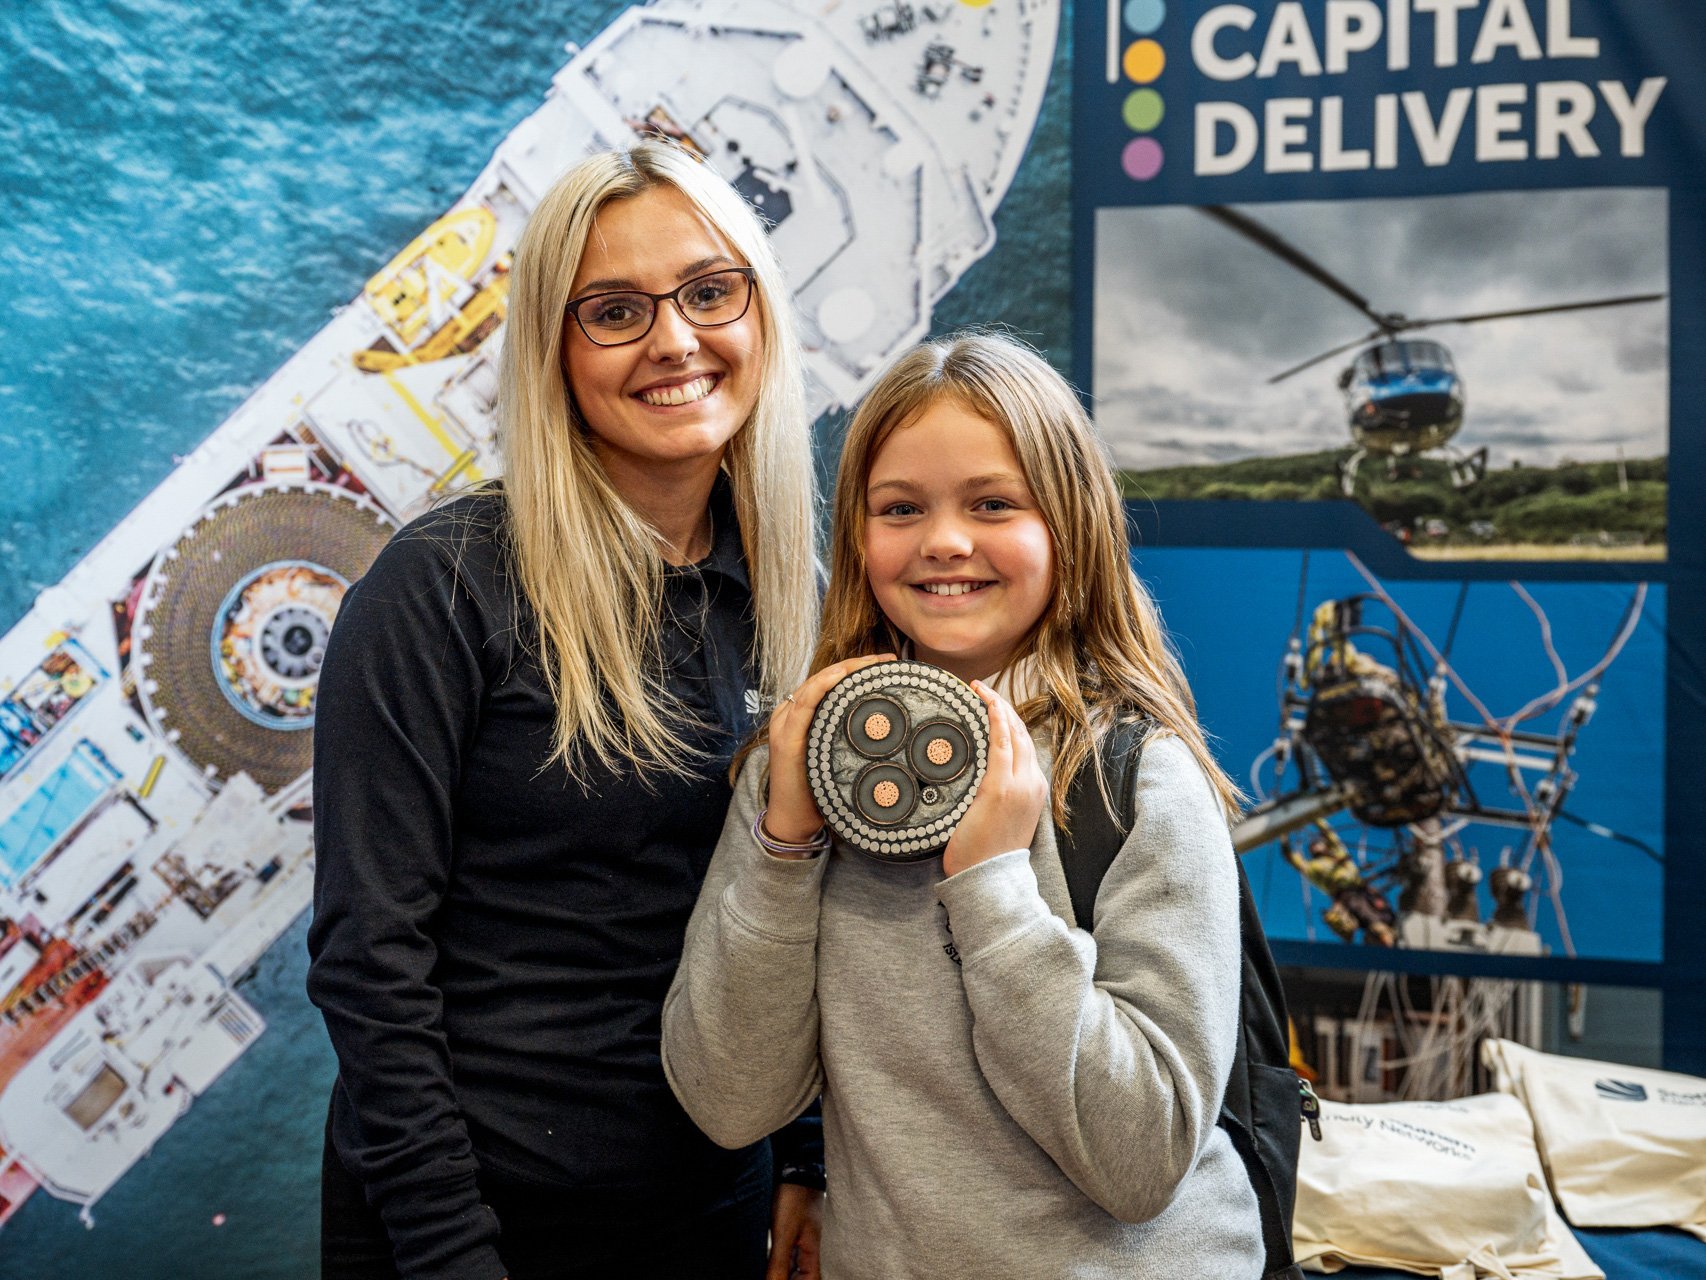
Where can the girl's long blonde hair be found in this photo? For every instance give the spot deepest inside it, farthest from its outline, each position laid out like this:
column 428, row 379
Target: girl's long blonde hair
column 1101, row 651
column 589, row 567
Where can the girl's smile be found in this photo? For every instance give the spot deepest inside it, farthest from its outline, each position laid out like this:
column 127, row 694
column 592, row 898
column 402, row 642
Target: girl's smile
column 957, row 551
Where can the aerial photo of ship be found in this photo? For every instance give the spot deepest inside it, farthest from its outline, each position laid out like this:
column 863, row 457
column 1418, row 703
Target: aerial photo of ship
column 157, row 703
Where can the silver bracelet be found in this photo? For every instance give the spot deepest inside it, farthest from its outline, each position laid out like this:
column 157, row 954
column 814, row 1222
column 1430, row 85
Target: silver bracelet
column 788, row 848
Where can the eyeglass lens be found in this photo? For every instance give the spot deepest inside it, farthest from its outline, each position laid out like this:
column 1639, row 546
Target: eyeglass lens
column 706, row 301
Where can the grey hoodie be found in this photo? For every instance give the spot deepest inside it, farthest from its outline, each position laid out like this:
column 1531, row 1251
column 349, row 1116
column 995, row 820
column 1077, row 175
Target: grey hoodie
column 1005, row 1096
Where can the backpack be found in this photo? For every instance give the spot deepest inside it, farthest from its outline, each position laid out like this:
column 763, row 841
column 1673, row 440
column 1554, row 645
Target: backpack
column 1266, row 1101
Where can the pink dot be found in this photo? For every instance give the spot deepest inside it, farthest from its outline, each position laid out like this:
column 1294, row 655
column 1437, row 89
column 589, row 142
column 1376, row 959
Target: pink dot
column 1141, row 159
column 219, row 1219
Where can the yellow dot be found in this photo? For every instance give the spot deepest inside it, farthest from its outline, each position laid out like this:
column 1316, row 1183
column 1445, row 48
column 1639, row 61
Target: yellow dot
column 1144, row 61
column 975, row 4
column 886, row 794
column 877, row 726
column 939, row 752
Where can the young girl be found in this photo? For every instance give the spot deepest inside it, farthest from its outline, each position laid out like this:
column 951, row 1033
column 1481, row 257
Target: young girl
column 1004, row 1093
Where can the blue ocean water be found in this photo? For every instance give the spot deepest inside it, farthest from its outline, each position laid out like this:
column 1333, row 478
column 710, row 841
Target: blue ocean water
column 188, row 189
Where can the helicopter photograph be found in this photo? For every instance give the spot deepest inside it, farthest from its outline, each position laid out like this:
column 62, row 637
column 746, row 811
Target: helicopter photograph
column 1470, row 767
column 1485, row 374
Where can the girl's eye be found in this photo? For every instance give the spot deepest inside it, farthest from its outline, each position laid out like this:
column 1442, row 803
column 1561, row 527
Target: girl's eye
column 899, row 509
column 997, row 504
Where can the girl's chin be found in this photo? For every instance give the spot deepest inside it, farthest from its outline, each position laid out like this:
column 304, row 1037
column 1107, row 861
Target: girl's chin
column 965, row 662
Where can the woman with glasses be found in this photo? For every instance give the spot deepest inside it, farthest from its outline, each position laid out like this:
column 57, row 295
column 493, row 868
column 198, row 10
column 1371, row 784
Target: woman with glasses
column 524, row 725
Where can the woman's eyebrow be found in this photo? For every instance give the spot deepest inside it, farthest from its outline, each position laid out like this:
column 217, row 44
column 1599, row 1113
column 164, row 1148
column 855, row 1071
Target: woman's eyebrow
column 614, row 283
column 704, row 264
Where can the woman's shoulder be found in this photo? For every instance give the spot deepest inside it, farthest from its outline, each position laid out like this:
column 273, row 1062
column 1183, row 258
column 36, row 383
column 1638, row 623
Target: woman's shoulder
column 475, row 517
column 448, row 561
column 464, row 533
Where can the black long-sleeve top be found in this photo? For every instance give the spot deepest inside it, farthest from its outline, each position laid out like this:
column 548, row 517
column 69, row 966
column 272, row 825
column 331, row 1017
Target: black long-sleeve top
column 492, row 941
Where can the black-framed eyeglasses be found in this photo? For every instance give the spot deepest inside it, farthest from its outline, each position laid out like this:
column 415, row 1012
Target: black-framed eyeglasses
column 626, row 315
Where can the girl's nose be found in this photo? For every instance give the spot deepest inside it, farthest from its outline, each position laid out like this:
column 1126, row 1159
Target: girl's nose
column 945, row 537
column 672, row 339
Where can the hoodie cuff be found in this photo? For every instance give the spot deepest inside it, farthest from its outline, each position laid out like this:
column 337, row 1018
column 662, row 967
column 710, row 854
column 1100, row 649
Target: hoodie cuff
column 992, row 903
column 777, row 898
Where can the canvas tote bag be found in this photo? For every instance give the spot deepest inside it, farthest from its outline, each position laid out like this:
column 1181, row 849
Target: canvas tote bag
column 1448, row 1189
column 1625, row 1146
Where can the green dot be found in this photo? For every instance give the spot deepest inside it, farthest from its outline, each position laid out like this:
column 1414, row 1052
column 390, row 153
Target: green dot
column 1143, row 110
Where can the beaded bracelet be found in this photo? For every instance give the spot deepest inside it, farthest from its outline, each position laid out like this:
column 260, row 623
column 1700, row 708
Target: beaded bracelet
column 788, row 848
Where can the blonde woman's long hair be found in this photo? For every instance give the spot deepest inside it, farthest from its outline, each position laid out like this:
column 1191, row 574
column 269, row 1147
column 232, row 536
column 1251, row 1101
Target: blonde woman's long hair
column 590, row 568
column 1102, row 653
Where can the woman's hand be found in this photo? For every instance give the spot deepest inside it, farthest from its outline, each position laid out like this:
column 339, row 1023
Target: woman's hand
column 1004, row 814
column 796, row 1222
column 792, row 815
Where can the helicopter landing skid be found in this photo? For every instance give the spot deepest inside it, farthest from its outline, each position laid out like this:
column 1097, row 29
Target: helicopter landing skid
column 1467, row 468
column 1347, row 468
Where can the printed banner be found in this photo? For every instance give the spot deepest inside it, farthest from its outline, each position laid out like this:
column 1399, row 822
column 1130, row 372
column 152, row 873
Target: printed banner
column 1387, row 311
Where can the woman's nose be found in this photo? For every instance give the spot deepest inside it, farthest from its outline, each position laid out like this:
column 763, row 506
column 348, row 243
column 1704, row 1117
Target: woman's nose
column 672, row 338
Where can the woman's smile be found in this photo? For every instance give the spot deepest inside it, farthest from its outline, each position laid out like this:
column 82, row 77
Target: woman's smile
column 673, row 393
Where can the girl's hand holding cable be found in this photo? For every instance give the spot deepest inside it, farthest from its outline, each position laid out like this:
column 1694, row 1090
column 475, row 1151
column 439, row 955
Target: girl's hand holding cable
column 791, row 815
column 1009, row 800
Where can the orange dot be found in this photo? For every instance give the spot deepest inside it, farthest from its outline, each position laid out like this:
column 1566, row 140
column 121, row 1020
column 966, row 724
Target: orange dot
column 877, row 726
column 886, row 794
column 1144, row 61
column 939, row 752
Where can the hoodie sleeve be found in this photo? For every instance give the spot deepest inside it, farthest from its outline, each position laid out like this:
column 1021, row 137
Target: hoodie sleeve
column 1112, row 1049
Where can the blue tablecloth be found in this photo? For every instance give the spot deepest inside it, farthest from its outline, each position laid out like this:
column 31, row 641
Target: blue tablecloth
column 1656, row 1253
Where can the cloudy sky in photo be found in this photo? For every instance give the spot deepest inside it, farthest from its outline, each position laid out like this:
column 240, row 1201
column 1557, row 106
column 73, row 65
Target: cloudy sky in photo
column 1191, row 319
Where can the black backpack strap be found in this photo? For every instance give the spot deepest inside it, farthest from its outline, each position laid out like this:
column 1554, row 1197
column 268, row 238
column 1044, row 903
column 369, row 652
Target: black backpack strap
column 1089, row 848
column 1271, row 1203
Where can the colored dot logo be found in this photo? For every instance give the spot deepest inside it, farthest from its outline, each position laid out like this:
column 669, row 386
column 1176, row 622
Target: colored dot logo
column 1142, row 62
column 1145, row 16
column 1143, row 110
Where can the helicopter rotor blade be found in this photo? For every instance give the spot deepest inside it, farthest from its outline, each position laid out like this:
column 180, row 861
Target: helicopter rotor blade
column 1326, row 355
column 1254, row 231
column 1591, row 304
